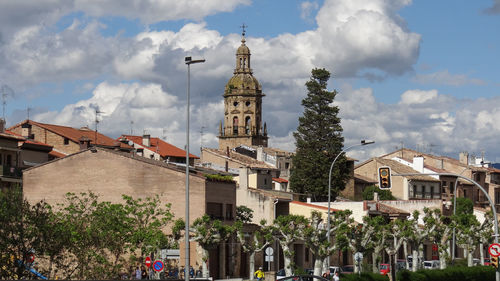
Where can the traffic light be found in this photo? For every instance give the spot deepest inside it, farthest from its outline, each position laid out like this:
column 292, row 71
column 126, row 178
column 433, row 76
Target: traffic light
column 384, row 177
column 494, row 261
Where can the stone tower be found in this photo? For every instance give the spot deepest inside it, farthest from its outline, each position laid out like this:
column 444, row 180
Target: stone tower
column 242, row 106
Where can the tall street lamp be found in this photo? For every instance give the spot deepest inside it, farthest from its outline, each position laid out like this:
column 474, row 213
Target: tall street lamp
column 363, row 142
column 188, row 61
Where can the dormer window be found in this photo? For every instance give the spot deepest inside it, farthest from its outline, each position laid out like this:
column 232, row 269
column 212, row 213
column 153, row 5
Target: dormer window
column 66, row 141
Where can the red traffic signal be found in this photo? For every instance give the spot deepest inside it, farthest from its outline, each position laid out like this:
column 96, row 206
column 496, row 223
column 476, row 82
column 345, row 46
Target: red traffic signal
column 384, row 177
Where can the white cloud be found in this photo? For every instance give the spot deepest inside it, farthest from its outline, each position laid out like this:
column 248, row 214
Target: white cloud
column 445, row 78
column 417, row 96
column 307, row 8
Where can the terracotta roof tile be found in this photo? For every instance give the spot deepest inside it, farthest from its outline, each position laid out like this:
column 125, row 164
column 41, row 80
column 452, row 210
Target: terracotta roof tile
column 75, row 134
column 280, row 180
column 159, row 146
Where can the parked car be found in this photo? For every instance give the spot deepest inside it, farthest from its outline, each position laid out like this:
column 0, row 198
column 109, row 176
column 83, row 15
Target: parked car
column 348, row 269
column 486, row 261
column 385, row 268
column 335, row 269
column 304, row 277
column 280, row 274
column 434, row 264
column 400, row 264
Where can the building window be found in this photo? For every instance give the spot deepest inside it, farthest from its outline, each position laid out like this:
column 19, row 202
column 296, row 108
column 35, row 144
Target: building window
column 428, row 193
column 435, row 194
column 247, row 125
column 214, row 210
column 66, row 141
column 229, row 211
column 412, row 191
column 235, row 125
column 247, row 103
column 287, row 165
column 418, row 192
column 265, row 182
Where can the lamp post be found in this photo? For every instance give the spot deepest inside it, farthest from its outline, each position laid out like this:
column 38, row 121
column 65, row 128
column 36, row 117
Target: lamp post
column 363, row 142
column 188, row 61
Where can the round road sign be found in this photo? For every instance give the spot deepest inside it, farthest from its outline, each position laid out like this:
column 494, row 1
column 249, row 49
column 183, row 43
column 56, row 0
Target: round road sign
column 158, row 265
column 148, row 262
column 494, row 249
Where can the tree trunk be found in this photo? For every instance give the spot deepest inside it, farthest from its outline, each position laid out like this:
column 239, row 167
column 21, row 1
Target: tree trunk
column 481, row 252
column 252, row 264
column 405, row 250
column 469, row 257
column 318, row 266
column 356, row 269
column 374, row 263
column 287, row 257
column 204, row 267
column 414, row 263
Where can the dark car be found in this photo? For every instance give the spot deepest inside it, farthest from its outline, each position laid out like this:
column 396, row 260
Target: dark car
column 304, row 277
column 347, row 269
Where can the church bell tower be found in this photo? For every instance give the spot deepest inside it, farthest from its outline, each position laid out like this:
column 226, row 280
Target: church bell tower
column 242, row 124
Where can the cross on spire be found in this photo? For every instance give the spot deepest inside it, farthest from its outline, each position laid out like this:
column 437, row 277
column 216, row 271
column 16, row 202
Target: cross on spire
column 243, row 29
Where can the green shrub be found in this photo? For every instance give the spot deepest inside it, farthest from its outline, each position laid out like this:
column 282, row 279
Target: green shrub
column 220, row 178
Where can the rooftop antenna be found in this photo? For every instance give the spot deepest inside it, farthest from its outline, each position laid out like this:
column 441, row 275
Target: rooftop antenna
column 164, row 134
column 201, row 137
column 97, row 111
column 28, row 109
column 5, row 90
column 131, row 127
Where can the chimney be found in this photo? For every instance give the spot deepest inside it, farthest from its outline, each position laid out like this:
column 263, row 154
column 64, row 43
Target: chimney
column 26, row 130
column 463, row 157
column 146, row 140
column 243, row 178
column 84, row 143
column 2, row 125
column 418, row 163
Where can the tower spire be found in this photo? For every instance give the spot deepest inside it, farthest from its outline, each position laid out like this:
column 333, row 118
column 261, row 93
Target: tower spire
column 243, row 31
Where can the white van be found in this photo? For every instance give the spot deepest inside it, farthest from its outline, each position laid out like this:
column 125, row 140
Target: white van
column 434, row 264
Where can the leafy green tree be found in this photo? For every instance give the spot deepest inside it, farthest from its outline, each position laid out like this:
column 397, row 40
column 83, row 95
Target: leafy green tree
column 244, row 214
column 287, row 230
column 148, row 219
column 358, row 238
column 383, row 194
column 208, row 233
column 253, row 241
column 378, row 239
column 485, row 233
column 318, row 140
column 316, row 237
column 441, row 234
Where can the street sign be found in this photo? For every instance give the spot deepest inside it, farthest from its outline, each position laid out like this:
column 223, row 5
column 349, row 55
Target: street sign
column 269, row 258
column 358, row 256
column 158, row 265
column 269, row 251
column 494, row 249
column 148, row 262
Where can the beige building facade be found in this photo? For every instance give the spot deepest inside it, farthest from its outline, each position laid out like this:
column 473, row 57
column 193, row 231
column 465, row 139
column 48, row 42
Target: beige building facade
column 109, row 174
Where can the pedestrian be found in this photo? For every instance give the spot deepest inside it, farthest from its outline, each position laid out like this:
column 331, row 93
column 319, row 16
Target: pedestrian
column 326, row 275
column 144, row 273
column 259, row 274
column 336, row 277
column 137, row 273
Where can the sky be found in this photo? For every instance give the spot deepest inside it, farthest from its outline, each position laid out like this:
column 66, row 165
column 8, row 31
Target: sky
column 415, row 74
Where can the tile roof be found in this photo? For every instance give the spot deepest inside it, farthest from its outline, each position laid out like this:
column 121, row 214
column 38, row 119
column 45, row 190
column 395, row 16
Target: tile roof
column 241, row 159
column 57, row 154
column 315, row 206
column 280, row 180
column 360, row 178
column 398, row 168
column 76, row 134
column 159, row 146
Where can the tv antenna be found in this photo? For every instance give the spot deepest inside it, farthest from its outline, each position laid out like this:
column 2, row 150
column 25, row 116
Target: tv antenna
column 5, row 91
column 131, row 127
column 97, row 111
column 201, row 137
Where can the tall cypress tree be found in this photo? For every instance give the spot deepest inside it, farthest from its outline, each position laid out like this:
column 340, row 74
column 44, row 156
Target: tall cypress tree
column 318, row 141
